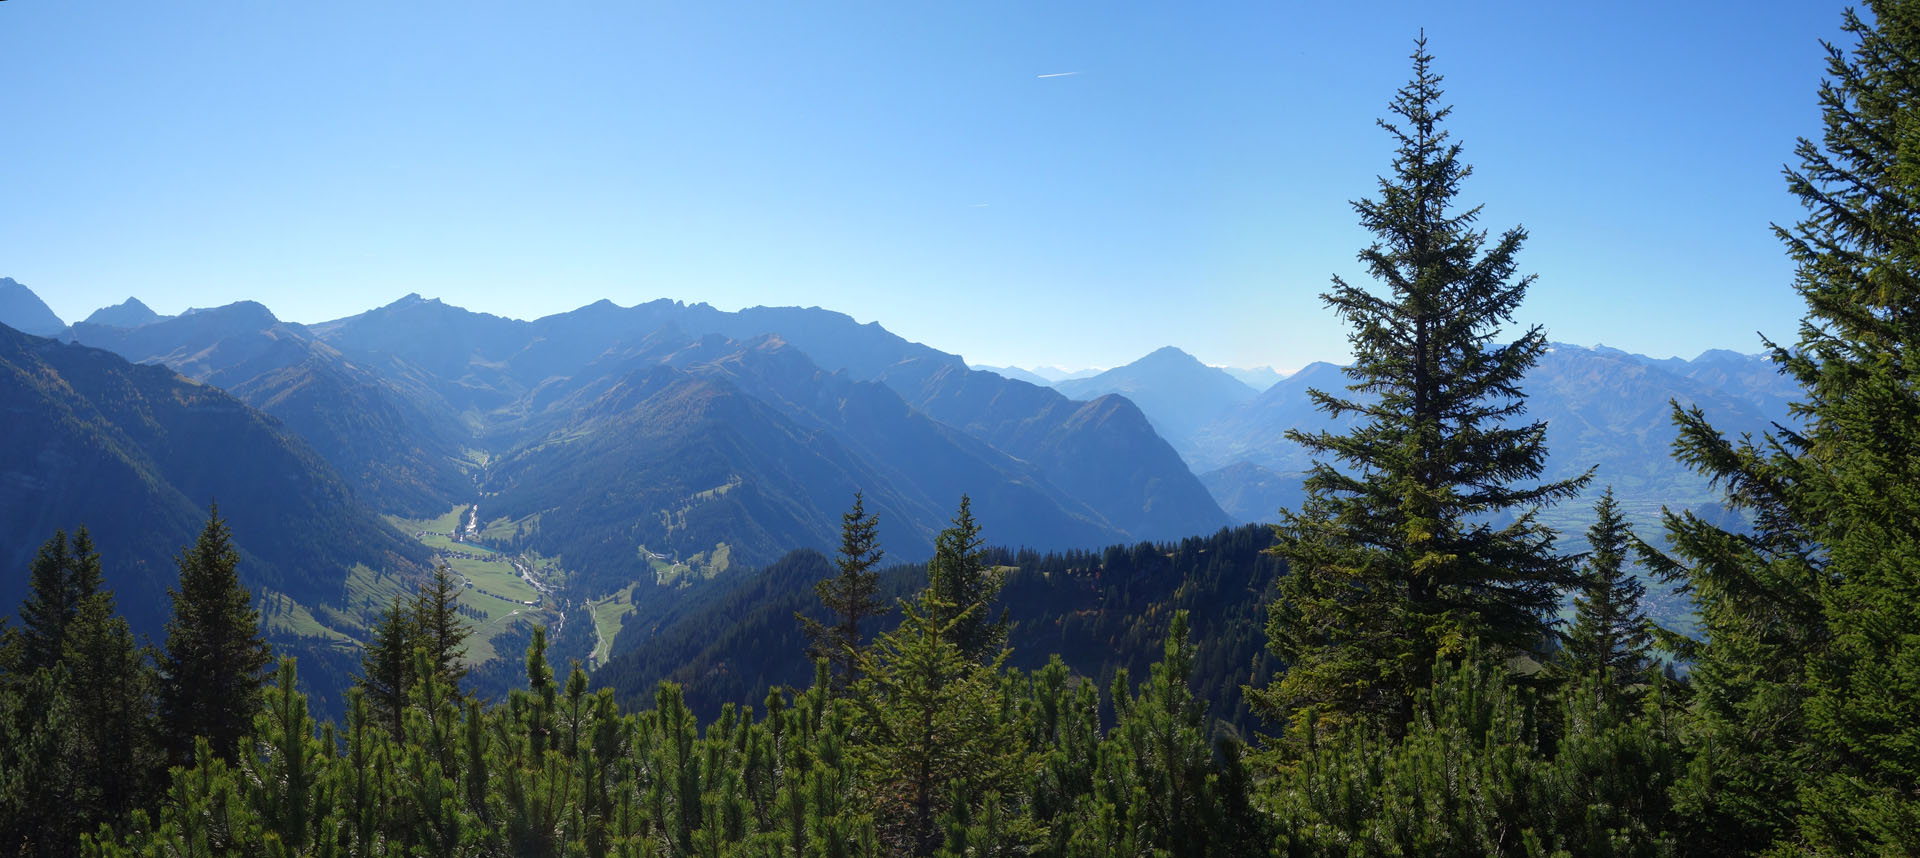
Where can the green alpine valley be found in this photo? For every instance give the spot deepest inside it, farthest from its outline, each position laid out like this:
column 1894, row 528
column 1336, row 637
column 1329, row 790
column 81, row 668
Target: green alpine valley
column 672, row 581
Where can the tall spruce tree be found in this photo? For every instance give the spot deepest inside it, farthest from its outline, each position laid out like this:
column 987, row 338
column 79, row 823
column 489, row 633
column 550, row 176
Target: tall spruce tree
column 961, row 588
column 49, row 607
column 63, row 576
column 1807, row 711
column 216, row 658
column 1610, row 637
column 1398, row 555
column 114, row 746
column 850, row 597
column 933, row 733
column 438, row 626
column 386, row 666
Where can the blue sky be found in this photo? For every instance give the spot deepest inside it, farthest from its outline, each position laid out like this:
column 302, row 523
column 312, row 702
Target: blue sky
column 1182, row 178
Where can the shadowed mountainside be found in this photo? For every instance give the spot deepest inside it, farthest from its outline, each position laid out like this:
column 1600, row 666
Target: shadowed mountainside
column 136, row 453
column 23, row 310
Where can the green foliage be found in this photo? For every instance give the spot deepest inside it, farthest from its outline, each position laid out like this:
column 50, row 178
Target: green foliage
column 1156, row 783
column 962, row 588
column 931, row 752
column 438, row 624
column 933, row 733
column 1604, row 792
column 1396, row 553
column 850, row 597
column 549, row 772
column 430, row 628
column 1101, row 611
column 1808, row 678
column 1474, row 776
column 1610, row 636
column 386, row 667
column 215, row 656
column 546, row 774
column 48, row 608
column 37, row 776
column 1455, row 784
column 112, row 691
column 1856, row 256
column 78, row 740
column 62, row 577
column 729, row 639
column 1416, row 723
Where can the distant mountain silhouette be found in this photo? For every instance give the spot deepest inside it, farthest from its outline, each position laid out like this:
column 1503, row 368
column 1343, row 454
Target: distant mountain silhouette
column 1258, row 378
column 636, row 443
column 1178, row 393
column 458, row 355
column 213, row 345
column 130, row 313
column 1056, row 374
column 1603, row 407
column 506, row 376
column 1103, row 452
column 393, row 441
column 696, row 432
column 1255, row 430
column 23, row 311
column 1614, row 411
column 625, row 438
column 1014, row 373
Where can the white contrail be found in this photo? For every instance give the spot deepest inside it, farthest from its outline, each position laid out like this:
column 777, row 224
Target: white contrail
column 1058, row 74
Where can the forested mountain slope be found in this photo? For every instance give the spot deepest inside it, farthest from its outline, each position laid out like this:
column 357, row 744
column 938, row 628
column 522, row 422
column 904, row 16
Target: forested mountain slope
column 389, row 439
column 747, row 450
column 499, row 372
column 136, row 453
column 1101, row 611
column 399, row 397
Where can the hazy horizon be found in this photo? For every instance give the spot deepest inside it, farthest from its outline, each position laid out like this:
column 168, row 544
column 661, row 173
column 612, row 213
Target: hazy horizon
column 1066, row 185
column 1052, row 367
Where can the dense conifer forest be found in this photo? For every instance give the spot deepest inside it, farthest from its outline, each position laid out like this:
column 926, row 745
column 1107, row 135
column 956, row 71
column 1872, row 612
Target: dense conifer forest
column 1098, row 611
column 1435, row 672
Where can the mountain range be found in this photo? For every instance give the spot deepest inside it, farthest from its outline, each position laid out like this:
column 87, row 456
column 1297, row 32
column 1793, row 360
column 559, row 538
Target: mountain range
column 1604, row 408
column 385, row 434
column 139, row 454
column 624, row 448
column 628, row 451
column 516, row 383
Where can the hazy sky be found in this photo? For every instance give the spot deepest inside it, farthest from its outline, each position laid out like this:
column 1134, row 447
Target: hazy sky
column 1033, row 182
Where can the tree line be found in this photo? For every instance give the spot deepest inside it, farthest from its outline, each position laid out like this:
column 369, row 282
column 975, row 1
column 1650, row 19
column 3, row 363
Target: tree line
column 1431, row 701
column 91, row 720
